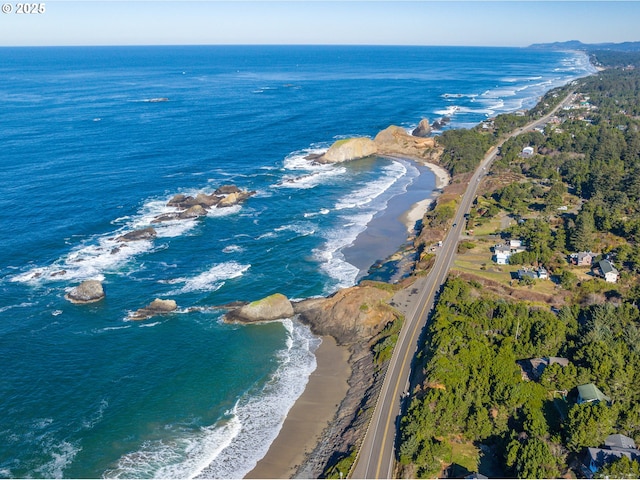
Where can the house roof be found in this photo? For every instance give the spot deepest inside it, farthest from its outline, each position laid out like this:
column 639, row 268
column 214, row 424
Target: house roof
column 502, row 249
column 589, row 393
column 526, row 273
column 619, row 441
column 603, row 456
column 606, row 267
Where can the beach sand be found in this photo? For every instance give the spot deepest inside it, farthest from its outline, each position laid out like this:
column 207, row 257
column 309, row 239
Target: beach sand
column 418, row 209
column 327, row 387
column 310, row 415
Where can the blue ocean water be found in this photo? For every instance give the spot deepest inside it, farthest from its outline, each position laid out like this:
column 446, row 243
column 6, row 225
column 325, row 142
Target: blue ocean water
column 86, row 157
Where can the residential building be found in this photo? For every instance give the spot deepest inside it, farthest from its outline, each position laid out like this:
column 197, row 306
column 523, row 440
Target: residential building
column 582, row 259
column 608, row 271
column 619, row 441
column 532, row 368
column 599, row 457
column 590, row 393
column 501, row 252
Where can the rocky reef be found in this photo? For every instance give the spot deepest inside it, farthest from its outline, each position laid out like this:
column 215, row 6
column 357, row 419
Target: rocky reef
column 157, row 307
column 188, row 207
column 89, row 291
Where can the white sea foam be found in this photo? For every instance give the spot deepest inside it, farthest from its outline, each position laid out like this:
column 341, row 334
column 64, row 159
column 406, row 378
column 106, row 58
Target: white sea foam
column 211, row 280
column 101, row 254
column 371, row 191
column 18, row 305
column 449, row 111
column 314, row 173
column 97, row 416
column 233, row 446
column 323, row 211
column 330, row 255
column 61, row 455
column 301, row 228
column 232, row 249
column 153, row 324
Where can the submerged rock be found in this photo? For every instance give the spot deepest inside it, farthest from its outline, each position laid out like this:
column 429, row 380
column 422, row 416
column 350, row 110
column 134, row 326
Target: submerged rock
column 88, row 291
column 273, row 307
column 192, row 212
column 143, row 234
column 157, row 307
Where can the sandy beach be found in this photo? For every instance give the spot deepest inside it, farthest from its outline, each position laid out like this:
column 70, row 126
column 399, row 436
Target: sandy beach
column 418, row 209
column 327, row 385
column 306, row 421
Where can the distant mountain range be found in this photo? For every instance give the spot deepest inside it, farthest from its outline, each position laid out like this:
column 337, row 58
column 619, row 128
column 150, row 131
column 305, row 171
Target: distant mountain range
column 589, row 47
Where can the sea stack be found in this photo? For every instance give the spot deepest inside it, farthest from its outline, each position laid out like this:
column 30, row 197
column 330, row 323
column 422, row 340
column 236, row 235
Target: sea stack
column 273, row 307
column 348, row 149
column 89, row 291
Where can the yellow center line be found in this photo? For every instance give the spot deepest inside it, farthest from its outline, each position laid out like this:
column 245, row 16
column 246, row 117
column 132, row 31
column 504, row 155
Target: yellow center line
column 404, row 361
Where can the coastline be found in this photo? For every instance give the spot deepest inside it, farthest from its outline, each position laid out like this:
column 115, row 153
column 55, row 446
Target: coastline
column 418, row 209
column 312, row 412
column 327, row 387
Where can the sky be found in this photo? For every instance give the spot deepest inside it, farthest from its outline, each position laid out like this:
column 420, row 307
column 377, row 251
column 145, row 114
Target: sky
column 346, row 22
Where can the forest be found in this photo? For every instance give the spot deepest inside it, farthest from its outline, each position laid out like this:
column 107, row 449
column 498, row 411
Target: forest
column 473, row 390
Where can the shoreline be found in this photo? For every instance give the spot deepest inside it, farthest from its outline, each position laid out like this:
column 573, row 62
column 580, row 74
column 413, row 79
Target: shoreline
column 327, row 387
column 418, row 209
column 312, row 412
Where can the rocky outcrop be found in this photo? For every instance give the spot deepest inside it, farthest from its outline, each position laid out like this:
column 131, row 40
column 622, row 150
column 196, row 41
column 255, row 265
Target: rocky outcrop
column 273, row 307
column 395, row 140
column 350, row 315
column 89, row 291
column 440, row 123
column 143, row 234
column 423, row 129
column 198, row 206
column 348, row 149
column 157, row 307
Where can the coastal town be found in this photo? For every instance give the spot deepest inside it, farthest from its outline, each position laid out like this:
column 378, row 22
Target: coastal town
column 536, row 296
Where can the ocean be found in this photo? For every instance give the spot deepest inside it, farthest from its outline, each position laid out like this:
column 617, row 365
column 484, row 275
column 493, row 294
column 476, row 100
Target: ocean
column 88, row 154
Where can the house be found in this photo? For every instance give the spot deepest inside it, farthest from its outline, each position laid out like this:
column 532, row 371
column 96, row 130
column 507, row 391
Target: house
column 543, row 274
column 589, row 393
column 501, row 252
column 608, row 271
column 599, row 457
column 582, row 259
column 619, row 441
column 532, row 368
column 527, row 152
column 523, row 273
column 615, row 447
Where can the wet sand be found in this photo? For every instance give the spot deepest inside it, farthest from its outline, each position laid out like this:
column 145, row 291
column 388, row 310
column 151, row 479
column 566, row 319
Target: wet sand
column 327, row 386
column 309, row 416
column 418, row 209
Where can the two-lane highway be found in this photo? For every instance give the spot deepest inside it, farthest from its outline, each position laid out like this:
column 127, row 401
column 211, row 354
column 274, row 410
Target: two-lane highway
column 376, row 455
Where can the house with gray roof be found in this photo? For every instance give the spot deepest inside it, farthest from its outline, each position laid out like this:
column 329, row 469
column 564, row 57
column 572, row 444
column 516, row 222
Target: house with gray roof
column 608, row 271
column 618, row 440
column 599, row 457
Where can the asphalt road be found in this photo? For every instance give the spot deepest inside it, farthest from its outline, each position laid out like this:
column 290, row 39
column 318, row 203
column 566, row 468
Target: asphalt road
column 376, row 456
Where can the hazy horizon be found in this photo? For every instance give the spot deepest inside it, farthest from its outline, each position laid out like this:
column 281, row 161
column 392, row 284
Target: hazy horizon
column 320, row 22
